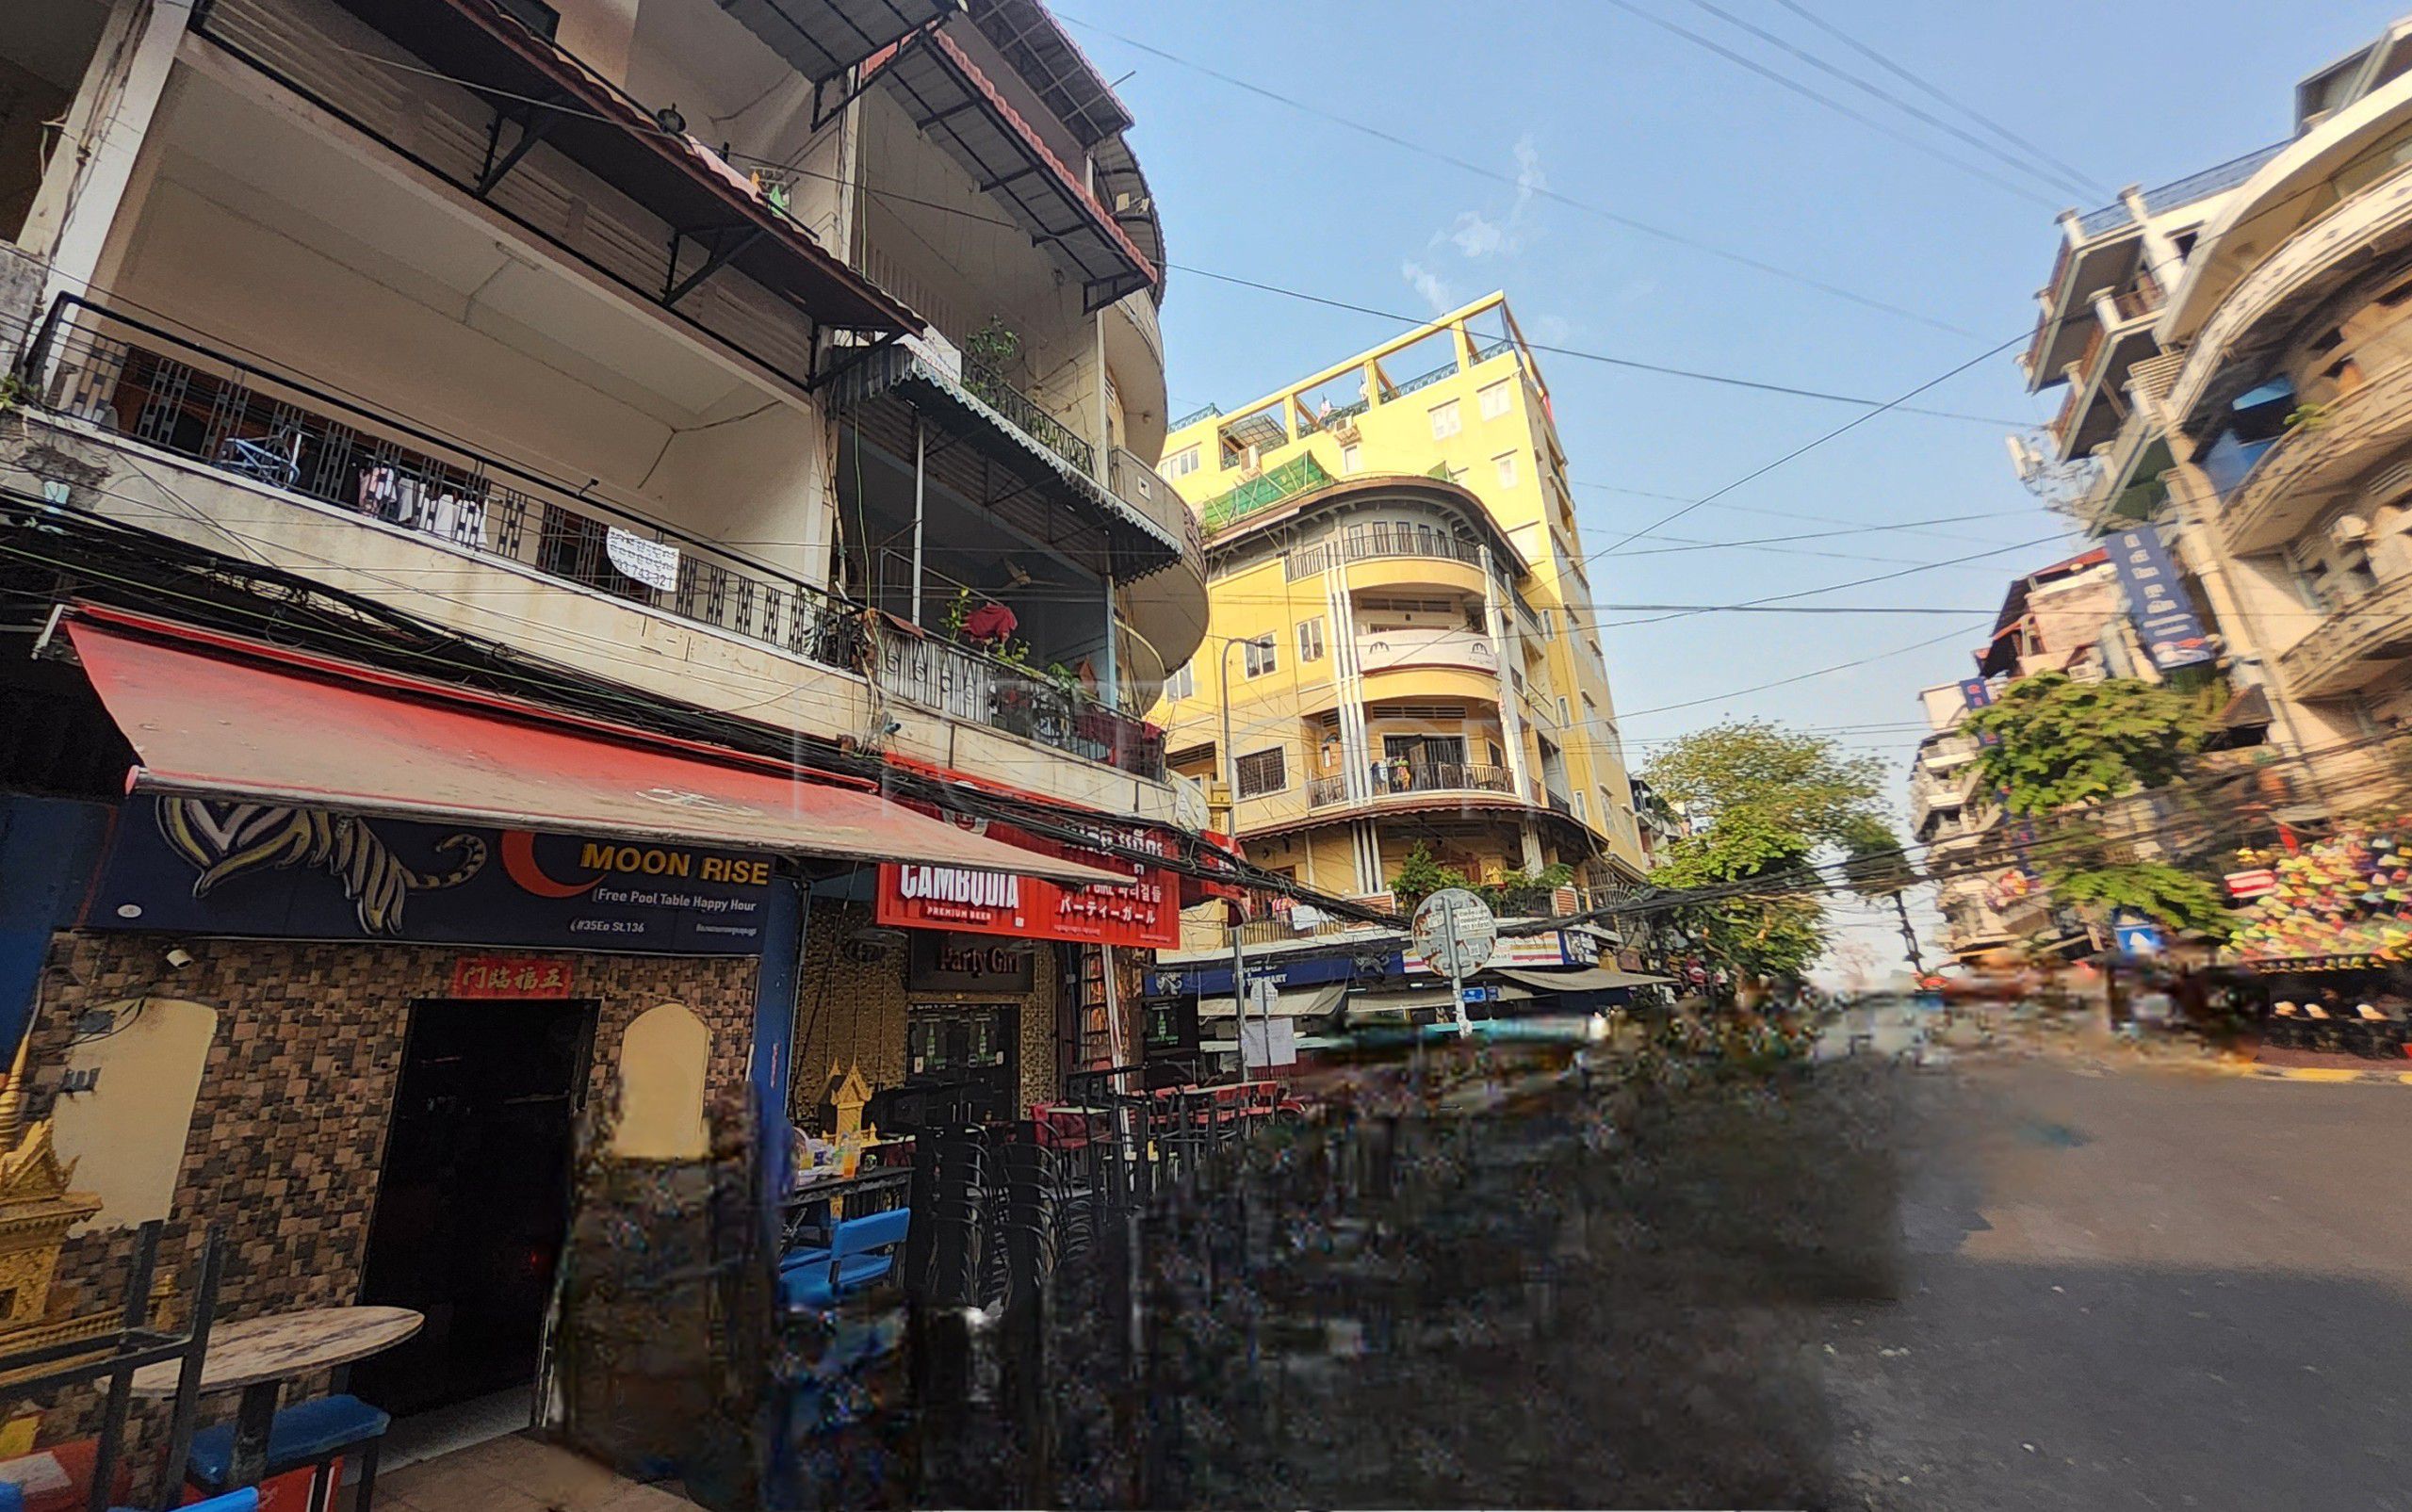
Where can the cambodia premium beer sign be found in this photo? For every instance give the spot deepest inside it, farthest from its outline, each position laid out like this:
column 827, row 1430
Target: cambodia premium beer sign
column 1142, row 911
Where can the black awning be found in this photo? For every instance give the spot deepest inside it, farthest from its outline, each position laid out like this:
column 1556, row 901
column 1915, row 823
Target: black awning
column 567, row 107
column 1134, row 544
column 951, row 101
column 823, row 38
column 2247, row 710
column 1053, row 65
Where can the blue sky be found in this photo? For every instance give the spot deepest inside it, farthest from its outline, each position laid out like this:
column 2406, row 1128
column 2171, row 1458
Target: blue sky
column 1596, row 104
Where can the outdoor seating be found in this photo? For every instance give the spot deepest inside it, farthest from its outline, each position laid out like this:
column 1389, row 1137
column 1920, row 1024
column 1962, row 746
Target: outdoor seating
column 245, row 1499
column 315, row 1434
column 861, row 1253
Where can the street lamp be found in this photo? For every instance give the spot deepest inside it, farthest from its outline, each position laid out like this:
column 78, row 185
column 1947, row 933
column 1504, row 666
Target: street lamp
column 1232, row 779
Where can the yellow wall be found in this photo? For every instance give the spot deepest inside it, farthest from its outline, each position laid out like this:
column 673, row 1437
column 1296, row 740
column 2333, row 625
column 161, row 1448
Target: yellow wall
column 1526, row 499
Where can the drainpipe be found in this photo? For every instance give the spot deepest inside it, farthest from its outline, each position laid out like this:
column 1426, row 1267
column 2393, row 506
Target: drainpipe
column 919, row 455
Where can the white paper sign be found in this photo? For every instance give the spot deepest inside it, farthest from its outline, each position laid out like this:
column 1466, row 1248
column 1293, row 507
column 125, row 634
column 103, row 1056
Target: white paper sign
column 654, row 563
column 1270, row 1043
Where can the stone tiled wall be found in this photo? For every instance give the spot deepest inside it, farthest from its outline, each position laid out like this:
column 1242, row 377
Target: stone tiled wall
column 288, row 1133
column 851, row 1010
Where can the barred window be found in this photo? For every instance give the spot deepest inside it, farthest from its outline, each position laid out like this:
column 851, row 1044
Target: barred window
column 1262, row 771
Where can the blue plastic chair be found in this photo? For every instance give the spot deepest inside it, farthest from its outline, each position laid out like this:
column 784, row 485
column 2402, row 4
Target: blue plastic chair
column 315, row 1434
column 861, row 1254
column 246, row 1499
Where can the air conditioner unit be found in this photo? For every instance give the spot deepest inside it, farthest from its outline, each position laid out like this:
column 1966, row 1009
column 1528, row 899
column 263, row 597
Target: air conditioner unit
column 2347, row 529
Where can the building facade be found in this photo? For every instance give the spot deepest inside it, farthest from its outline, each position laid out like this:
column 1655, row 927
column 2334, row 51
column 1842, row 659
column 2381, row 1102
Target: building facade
column 2254, row 425
column 1404, row 620
column 555, row 504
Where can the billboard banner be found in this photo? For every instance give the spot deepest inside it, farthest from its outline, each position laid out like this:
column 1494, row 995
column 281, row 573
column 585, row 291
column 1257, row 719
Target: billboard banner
column 208, row 866
column 1144, row 911
column 2165, row 620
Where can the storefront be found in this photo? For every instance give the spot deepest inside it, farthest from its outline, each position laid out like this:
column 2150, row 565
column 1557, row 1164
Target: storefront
column 359, row 956
column 1009, row 986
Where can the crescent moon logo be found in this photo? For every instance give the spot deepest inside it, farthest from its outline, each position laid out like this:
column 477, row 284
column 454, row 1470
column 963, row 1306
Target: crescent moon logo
column 519, row 860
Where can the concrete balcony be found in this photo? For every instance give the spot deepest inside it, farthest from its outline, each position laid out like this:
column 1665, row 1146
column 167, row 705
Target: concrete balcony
column 2362, row 639
column 132, row 424
column 2314, row 466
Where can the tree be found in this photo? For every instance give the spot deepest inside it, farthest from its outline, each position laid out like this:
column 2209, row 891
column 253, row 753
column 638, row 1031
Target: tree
column 2050, row 741
column 1764, row 802
column 2053, row 746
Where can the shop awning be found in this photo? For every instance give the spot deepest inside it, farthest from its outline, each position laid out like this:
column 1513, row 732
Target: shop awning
column 1589, row 979
column 1365, row 1007
column 1296, row 1002
column 822, row 39
column 590, row 121
column 952, row 101
column 216, row 717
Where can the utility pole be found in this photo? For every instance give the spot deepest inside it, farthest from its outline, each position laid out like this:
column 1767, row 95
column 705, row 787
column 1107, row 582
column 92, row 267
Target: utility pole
column 1908, row 934
column 1231, row 777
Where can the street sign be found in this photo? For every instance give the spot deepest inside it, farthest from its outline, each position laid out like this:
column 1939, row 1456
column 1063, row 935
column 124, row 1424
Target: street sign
column 1455, row 931
column 1477, row 994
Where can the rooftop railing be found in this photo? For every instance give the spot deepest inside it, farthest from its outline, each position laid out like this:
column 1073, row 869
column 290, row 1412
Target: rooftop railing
column 1301, row 473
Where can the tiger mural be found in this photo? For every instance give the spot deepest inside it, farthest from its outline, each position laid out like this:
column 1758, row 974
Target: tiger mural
column 224, row 839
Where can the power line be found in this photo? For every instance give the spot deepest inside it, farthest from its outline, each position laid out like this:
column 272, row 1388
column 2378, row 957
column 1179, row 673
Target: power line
column 1786, row 682
column 1835, row 106
column 1590, row 356
column 2075, row 175
column 1808, row 447
column 1856, row 582
column 2056, row 182
column 1614, row 217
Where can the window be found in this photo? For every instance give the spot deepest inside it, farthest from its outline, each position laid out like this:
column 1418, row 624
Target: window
column 1592, row 647
column 1498, row 757
column 1574, row 801
column 1447, row 422
column 1262, row 655
column 1591, row 712
column 1262, row 771
column 1182, row 684
column 1565, row 715
column 1505, row 466
column 1495, row 398
column 1310, row 639
column 1181, row 464
column 1352, row 460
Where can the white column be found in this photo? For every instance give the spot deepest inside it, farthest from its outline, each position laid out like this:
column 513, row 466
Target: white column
column 80, row 197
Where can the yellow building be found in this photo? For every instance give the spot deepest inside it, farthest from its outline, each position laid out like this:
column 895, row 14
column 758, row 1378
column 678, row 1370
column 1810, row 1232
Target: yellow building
column 1402, row 616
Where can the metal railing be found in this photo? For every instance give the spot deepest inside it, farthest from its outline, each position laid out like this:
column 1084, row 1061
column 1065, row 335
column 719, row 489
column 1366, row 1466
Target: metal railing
column 1381, row 539
column 989, row 387
column 137, row 380
column 970, row 685
column 1388, row 778
column 1204, row 412
column 1557, row 802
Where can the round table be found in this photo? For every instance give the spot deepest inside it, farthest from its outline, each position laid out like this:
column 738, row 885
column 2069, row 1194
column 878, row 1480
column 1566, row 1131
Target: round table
column 260, row 1354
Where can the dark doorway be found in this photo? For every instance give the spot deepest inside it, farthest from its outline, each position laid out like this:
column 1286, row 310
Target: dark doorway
column 976, row 1046
column 474, row 1203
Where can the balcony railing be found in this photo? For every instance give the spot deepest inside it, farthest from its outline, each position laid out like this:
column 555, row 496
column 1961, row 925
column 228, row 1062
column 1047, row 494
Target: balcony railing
column 989, row 387
column 971, row 686
column 1559, row 803
column 140, row 381
column 1379, row 540
column 2362, row 638
column 1140, row 486
column 1386, row 779
column 1391, row 650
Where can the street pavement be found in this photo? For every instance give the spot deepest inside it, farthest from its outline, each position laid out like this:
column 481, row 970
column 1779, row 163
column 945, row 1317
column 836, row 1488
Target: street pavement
column 2134, row 1284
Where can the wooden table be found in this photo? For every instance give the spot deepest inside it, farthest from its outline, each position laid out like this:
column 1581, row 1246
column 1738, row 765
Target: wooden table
column 260, row 1354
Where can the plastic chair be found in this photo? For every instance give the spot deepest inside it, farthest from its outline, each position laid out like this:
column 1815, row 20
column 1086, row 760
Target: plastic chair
column 861, row 1254
column 245, row 1499
column 315, row 1434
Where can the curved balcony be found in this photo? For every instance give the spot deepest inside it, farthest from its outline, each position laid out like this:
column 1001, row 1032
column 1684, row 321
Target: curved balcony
column 1401, row 779
column 2361, row 640
column 2259, row 316
column 1429, row 665
column 1167, row 607
column 2313, row 466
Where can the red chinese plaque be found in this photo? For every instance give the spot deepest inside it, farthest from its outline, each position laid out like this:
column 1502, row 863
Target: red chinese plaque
column 510, row 976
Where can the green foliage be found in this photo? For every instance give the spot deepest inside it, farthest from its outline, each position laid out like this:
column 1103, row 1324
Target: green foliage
column 1763, row 801
column 1874, row 864
column 2161, row 893
column 995, row 344
column 1420, row 876
column 2058, row 742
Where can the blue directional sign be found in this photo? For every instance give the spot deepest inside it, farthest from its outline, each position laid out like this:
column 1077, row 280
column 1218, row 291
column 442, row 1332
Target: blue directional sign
column 2165, row 620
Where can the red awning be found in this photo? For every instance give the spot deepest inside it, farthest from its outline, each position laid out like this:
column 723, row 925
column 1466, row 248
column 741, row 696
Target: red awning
column 217, row 717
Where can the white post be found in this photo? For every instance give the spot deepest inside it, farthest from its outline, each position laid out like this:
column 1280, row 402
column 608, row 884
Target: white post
column 919, row 457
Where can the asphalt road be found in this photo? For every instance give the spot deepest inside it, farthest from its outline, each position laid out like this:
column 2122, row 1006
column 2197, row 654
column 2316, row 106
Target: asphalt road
column 2135, row 1288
